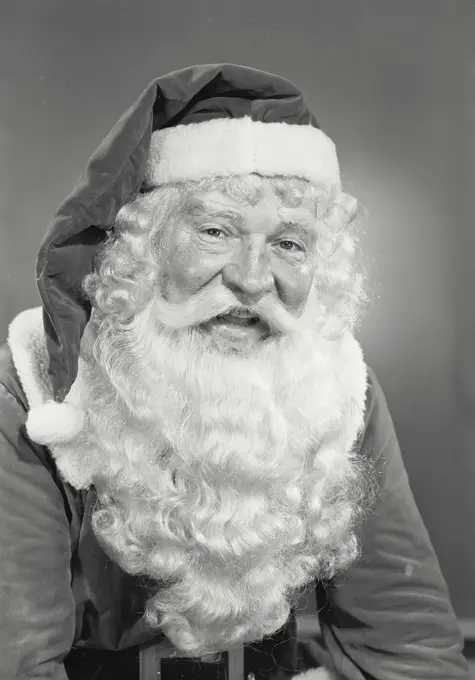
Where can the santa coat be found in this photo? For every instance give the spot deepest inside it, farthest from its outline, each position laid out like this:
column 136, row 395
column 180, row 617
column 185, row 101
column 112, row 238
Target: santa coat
column 67, row 611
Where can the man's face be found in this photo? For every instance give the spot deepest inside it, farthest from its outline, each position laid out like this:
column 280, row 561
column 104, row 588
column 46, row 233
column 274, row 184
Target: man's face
column 263, row 248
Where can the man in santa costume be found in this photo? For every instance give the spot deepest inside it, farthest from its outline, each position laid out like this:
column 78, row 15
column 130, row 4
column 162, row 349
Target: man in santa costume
column 190, row 437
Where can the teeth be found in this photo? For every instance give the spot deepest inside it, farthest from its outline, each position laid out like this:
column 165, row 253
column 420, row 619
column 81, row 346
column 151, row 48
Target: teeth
column 242, row 321
column 237, row 315
column 239, row 319
column 243, row 315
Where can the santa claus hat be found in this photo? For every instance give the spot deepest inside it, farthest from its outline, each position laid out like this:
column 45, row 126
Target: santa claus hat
column 235, row 121
column 204, row 121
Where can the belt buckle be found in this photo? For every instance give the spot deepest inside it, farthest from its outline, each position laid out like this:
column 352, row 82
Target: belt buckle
column 152, row 656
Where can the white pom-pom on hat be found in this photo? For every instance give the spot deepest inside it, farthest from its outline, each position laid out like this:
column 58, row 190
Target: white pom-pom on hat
column 320, row 673
column 54, row 423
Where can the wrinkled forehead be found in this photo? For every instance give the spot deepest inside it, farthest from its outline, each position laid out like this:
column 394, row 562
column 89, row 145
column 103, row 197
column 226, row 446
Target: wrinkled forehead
column 251, row 190
column 219, row 206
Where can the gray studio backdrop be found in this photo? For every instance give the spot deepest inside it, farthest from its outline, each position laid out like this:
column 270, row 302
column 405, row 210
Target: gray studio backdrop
column 389, row 81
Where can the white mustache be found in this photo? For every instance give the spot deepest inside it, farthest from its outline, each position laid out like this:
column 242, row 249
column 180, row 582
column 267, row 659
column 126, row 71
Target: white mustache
column 209, row 303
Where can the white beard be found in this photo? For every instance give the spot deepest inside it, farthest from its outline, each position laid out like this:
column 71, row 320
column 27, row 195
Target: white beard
column 229, row 479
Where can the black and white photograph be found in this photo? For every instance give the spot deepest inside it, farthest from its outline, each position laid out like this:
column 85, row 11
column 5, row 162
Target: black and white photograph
column 237, row 340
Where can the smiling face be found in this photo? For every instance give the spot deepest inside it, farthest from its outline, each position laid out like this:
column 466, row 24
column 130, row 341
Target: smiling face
column 256, row 249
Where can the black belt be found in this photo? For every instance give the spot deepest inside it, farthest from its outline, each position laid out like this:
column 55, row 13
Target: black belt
column 272, row 659
column 150, row 664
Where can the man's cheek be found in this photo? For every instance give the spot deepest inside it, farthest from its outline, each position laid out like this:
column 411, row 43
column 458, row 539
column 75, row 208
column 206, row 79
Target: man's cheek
column 296, row 296
column 181, row 275
column 295, row 283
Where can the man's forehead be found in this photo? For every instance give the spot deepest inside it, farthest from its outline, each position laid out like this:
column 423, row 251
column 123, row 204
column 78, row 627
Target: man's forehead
column 214, row 201
column 211, row 200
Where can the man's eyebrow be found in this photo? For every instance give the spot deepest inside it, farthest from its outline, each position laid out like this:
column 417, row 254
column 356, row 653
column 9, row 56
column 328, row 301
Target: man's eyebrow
column 196, row 208
column 304, row 229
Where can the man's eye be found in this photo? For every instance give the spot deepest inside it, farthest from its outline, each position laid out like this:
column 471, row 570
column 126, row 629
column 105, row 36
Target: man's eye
column 214, row 232
column 290, row 245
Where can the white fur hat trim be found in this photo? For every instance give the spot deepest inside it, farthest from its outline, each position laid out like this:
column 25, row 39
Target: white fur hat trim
column 240, row 146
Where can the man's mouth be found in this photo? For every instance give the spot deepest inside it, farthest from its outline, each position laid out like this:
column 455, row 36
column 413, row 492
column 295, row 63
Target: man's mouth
column 238, row 328
column 238, row 319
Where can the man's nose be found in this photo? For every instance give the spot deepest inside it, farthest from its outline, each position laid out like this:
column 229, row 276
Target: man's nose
column 249, row 274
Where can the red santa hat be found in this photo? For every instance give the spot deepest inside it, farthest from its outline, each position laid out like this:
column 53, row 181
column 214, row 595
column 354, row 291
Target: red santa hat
column 235, row 121
column 200, row 122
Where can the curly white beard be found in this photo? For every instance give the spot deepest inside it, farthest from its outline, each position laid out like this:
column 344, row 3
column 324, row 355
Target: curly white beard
column 227, row 478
